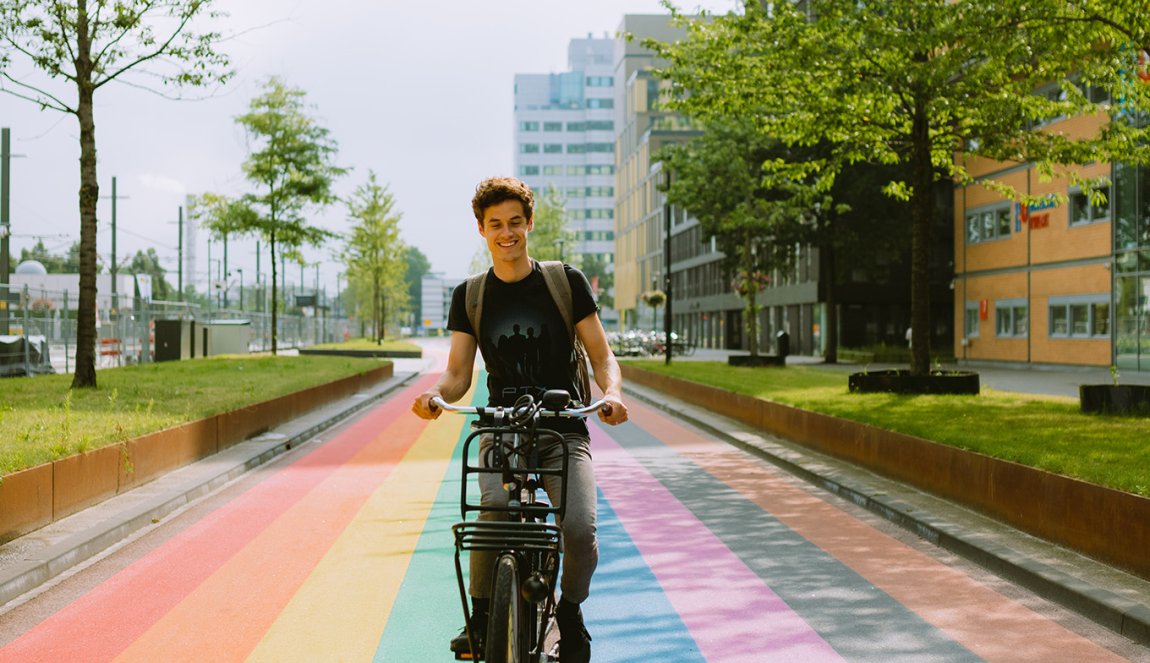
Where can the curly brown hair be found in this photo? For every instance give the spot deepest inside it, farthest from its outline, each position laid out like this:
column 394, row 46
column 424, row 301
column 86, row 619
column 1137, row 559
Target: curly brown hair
column 495, row 190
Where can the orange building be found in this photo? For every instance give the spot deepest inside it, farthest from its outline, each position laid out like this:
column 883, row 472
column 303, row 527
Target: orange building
column 1057, row 283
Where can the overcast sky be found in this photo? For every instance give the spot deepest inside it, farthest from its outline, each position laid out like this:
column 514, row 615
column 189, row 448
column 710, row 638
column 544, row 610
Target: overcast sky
column 421, row 93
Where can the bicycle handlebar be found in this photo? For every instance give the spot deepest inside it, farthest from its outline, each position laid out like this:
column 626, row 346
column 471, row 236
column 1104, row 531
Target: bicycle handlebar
column 438, row 402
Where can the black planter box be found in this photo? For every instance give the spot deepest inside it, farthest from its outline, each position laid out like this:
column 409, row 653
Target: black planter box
column 758, row 360
column 902, row 381
column 1115, row 399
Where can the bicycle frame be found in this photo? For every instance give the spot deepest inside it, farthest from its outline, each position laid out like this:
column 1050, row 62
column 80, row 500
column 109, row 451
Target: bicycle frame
column 526, row 536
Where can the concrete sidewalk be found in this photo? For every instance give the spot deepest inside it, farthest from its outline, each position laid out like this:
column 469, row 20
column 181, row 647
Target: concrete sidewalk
column 34, row 559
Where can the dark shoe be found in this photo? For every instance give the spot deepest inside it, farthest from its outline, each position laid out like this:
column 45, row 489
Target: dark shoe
column 461, row 646
column 574, row 640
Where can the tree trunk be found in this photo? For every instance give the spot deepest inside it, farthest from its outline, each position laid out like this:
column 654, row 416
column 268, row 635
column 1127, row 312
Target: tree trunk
column 922, row 208
column 375, row 312
column 275, row 292
column 831, row 333
column 85, row 376
column 752, row 288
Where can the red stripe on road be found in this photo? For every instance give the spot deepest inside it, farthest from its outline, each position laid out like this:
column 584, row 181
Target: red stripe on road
column 101, row 624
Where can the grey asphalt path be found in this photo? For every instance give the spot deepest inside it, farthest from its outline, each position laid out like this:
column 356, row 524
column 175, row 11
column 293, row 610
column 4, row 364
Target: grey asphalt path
column 31, row 561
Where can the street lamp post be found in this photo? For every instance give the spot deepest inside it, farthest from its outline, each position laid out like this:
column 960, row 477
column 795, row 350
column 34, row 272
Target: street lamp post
column 241, row 273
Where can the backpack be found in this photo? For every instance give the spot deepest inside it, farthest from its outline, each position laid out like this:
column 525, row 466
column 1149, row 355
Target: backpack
column 560, row 289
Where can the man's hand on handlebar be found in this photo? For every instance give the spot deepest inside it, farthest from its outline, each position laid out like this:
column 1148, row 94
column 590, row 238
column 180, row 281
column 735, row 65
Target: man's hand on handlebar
column 613, row 411
column 424, row 408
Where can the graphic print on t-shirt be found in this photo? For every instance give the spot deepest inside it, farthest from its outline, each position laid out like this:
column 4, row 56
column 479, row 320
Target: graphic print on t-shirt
column 519, row 342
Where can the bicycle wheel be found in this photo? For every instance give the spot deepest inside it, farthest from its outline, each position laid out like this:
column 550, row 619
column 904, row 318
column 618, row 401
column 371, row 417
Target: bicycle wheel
column 503, row 639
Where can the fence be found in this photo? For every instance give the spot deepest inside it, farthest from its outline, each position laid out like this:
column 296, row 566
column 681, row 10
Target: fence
column 38, row 329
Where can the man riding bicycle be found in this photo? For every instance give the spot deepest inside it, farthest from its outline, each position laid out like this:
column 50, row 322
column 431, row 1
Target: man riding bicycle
column 527, row 349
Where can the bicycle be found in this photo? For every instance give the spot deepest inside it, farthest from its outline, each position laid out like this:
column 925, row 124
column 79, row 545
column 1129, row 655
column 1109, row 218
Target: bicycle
column 528, row 546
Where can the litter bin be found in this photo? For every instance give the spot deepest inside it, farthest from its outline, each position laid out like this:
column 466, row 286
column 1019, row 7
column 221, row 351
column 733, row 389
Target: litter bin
column 783, row 342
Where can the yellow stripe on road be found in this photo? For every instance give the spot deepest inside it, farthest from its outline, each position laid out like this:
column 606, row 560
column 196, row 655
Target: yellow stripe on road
column 340, row 612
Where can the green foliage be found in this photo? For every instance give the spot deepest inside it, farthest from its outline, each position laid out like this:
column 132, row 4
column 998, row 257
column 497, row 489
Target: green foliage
column 417, row 266
column 1046, row 432
column 56, row 264
column 915, row 82
column 375, row 256
column 85, row 46
column 550, row 240
column 291, row 167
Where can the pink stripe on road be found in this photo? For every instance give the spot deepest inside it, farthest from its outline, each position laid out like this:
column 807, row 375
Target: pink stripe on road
column 730, row 612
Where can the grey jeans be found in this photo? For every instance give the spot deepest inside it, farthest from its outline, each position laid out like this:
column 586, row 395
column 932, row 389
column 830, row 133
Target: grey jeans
column 580, row 547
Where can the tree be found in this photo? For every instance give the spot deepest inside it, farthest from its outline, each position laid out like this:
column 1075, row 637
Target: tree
column 550, row 240
column 918, row 82
column 291, row 165
column 417, row 266
column 148, row 262
column 373, row 251
column 756, row 220
column 88, row 44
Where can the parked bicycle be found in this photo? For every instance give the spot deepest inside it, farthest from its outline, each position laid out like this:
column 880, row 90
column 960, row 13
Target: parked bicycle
column 526, row 545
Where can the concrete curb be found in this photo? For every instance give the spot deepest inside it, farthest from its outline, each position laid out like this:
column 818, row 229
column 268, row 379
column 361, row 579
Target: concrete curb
column 34, row 559
column 1107, row 596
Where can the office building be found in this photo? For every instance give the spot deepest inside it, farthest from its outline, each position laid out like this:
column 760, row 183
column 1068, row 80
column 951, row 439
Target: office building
column 565, row 138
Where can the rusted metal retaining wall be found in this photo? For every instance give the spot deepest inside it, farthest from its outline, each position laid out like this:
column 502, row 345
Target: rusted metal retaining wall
column 1107, row 524
column 33, row 498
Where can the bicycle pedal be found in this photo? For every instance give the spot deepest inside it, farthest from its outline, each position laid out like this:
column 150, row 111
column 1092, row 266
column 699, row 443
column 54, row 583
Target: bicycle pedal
column 464, row 656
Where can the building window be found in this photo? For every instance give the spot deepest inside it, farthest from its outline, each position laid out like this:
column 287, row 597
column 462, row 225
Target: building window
column 553, row 126
column 970, row 320
column 601, row 191
column 576, row 148
column 1011, row 318
column 600, row 125
column 600, row 81
column 576, row 126
column 528, row 170
column 600, row 103
column 552, row 170
column 552, row 148
column 1080, row 317
column 529, row 126
column 1082, row 211
column 529, row 148
column 988, row 223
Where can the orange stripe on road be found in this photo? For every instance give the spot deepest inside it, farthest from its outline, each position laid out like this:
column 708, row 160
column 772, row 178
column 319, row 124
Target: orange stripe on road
column 103, row 623
column 987, row 623
column 229, row 613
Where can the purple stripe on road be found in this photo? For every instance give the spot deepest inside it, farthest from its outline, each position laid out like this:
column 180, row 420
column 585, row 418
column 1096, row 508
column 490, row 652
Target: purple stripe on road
column 729, row 611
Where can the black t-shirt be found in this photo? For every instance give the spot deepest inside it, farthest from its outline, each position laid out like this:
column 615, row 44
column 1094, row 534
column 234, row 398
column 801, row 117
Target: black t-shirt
column 525, row 344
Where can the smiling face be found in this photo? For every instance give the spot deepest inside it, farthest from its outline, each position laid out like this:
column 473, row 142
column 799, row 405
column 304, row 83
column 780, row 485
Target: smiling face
column 505, row 228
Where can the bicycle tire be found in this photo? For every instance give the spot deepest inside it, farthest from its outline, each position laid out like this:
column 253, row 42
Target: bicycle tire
column 503, row 636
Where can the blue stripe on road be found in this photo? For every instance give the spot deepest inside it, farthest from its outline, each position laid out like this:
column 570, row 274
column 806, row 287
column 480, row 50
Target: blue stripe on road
column 627, row 614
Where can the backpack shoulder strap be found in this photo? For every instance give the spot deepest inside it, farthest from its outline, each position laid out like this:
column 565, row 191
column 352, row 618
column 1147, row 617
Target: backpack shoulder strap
column 560, row 288
column 473, row 298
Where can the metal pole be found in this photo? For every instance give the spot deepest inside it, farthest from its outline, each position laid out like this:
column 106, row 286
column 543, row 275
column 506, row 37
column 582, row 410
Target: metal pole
column 115, row 299
column 667, row 263
column 180, row 281
column 5, row 225
column 226, row 272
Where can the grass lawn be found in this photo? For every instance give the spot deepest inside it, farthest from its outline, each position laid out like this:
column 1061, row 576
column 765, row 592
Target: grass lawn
column 1047, row 432
column 368, row 344
column 42, row 418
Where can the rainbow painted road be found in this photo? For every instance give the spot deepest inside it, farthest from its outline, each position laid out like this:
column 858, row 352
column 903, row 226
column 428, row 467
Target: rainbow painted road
column 344, row 553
